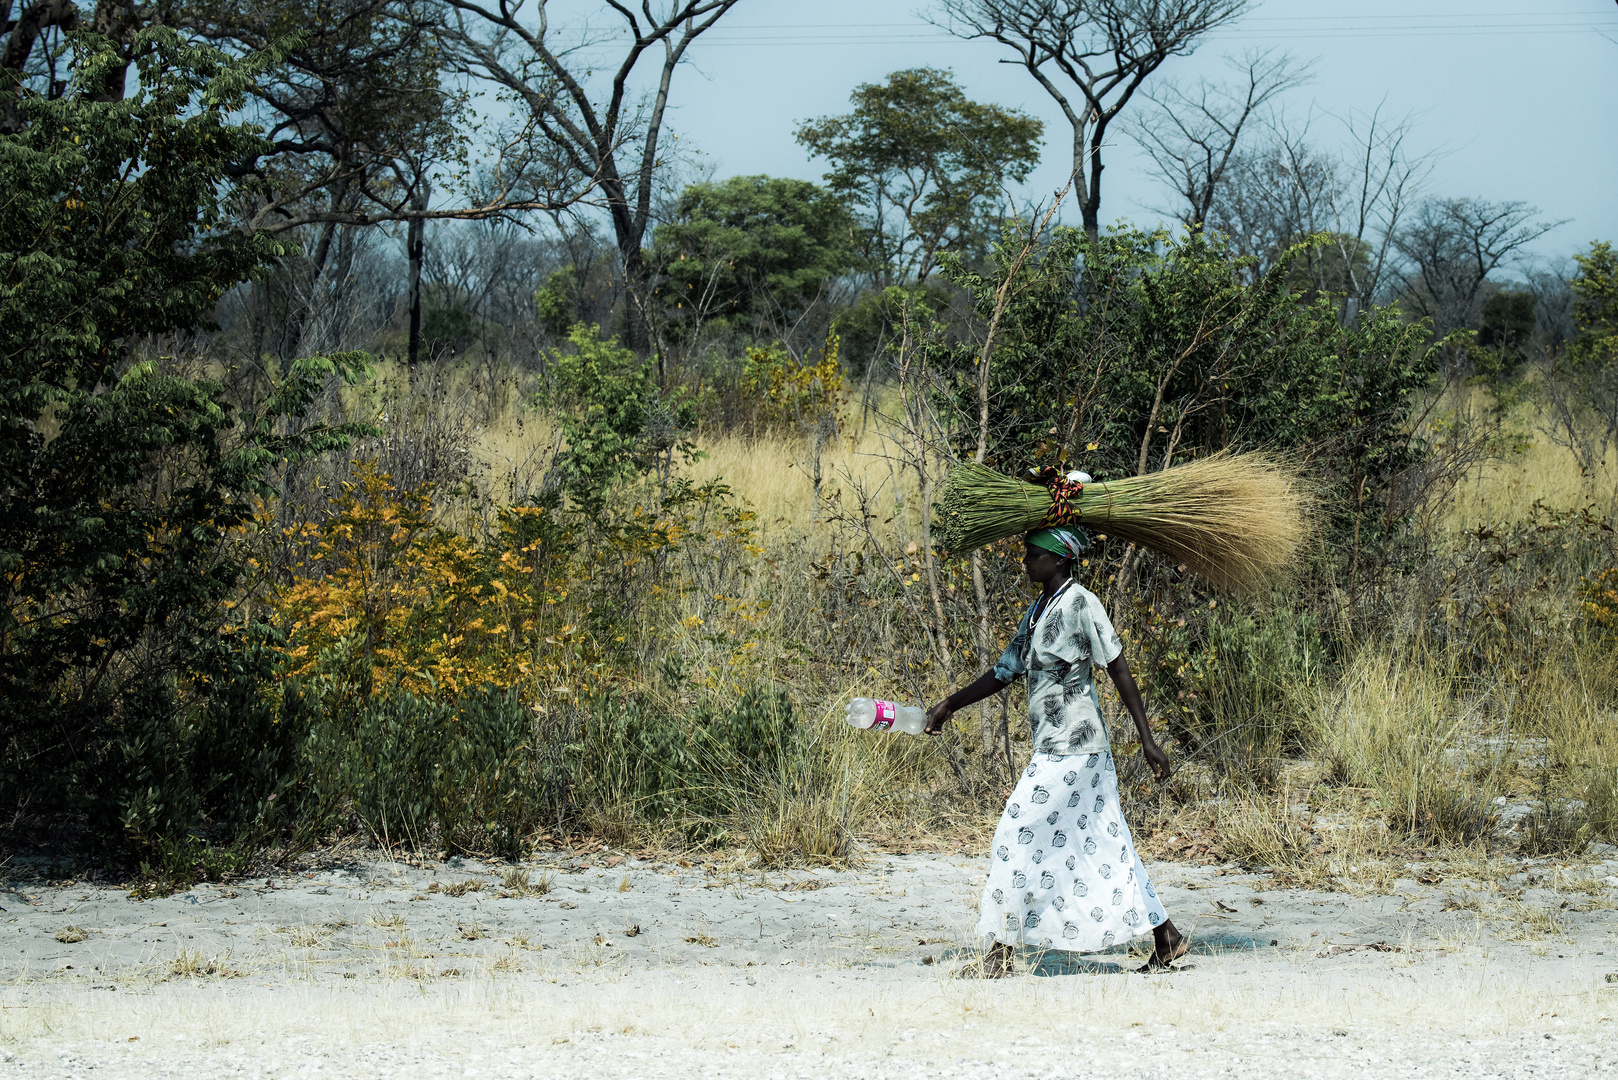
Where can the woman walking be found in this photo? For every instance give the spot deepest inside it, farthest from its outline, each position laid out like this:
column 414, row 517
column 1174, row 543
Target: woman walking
column 1063, row 871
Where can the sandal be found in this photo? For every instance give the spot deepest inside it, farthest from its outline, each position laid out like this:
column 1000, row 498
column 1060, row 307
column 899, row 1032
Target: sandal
column 1156, row 963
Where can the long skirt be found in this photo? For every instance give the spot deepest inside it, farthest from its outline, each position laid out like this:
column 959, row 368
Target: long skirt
column 1063, row 872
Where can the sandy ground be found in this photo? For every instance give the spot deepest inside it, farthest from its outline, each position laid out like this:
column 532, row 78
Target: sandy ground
column 632, row 969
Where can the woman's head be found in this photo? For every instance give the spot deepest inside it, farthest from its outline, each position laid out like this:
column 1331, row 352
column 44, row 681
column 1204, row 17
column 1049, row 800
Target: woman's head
column 1050, row 553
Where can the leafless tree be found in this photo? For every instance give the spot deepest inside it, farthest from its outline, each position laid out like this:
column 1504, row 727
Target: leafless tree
column 491, row 269
column 1554, row 325
column 1272, row 194
column 1289, row 188
column 1193, row 133
column 1452, row 246
column 1090, row 56
column 611, row 144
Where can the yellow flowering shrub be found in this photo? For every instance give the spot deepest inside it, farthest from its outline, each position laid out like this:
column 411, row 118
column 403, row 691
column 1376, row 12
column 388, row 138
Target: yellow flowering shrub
column 790, row 391
column 1598, row 600
column 384, row 599
column 381, row 599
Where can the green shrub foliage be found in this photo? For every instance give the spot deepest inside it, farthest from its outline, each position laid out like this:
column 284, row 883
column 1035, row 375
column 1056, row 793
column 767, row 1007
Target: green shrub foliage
column 123, row 488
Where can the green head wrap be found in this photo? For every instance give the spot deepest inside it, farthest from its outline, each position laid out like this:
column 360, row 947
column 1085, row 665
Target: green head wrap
column 1068, row 543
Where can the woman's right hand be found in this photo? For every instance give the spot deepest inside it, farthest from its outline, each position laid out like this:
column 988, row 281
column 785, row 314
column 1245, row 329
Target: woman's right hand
column 937, row 717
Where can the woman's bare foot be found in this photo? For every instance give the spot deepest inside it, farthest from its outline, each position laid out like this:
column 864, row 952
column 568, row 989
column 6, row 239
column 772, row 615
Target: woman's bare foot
column 1170, row 946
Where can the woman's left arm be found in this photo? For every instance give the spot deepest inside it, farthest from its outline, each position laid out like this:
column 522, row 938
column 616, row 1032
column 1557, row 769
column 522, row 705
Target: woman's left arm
column 1124, row 680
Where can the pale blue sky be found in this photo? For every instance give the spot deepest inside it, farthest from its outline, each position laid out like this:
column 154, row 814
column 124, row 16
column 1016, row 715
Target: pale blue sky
column 1520, row 96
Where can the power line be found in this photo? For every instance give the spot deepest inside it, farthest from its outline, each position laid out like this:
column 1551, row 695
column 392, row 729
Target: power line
column 713, row 41
column 1535, row 15
column 1537, row 23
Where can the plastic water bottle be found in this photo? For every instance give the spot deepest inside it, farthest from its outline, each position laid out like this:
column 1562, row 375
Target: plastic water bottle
column 864, row 712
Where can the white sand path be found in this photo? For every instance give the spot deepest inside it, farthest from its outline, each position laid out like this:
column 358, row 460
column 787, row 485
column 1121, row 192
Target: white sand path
column 359, row 971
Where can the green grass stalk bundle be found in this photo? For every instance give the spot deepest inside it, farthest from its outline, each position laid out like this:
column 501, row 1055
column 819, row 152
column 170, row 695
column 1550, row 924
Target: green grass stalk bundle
column 1236, row 520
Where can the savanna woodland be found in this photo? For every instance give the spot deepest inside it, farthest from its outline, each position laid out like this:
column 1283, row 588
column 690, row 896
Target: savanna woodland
column 406, row 442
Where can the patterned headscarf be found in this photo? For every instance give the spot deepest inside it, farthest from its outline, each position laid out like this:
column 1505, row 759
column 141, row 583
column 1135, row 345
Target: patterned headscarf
column 1069, row 543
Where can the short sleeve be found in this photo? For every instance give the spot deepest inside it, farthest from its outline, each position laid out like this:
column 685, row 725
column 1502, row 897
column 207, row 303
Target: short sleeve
column 1010, row 666
column 1105, row 646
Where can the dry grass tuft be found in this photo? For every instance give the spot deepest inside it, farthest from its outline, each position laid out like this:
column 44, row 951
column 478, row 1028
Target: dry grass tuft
column 305, row 937
column 807, row 813
column 520, row 883
column 1526, row 920
column 1396, row 726
column 1266, row 834
column 615, row 824
column 1360, row 858
column 67, row 935
column 191, row 964
column 1570, row 703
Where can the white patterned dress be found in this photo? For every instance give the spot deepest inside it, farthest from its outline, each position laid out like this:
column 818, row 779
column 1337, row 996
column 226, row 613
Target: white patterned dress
column 1063, row 871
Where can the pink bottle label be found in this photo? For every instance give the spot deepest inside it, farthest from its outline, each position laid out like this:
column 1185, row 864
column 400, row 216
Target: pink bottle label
column 886, row 713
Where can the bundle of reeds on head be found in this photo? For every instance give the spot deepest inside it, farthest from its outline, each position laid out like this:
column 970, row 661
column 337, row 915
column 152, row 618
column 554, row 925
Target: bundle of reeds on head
column 1238, row 521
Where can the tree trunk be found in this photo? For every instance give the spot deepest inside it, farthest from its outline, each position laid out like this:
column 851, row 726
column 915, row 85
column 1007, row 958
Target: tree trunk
column 637, row 296
column 1081, row 185
column 115, row 20
column 416, row 246
column 1090, row 189
column 25, row 32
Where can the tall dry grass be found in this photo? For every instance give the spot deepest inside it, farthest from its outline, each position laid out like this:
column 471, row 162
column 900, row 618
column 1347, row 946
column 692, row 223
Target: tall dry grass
column 1571, row 704
column 812, row 807
column 1398, row 724
column 1530, row 467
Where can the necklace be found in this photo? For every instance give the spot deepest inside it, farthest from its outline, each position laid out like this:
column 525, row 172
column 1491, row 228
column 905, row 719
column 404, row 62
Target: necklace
column 1041, row 604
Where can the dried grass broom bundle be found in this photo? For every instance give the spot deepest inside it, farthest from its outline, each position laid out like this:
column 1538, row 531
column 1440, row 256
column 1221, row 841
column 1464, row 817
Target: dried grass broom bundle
column 1235, row 520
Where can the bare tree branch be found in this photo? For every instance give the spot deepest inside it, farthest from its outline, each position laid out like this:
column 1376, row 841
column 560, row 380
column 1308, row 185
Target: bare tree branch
column 1193, row 133
column 511, row 46
column 1289, row 188
column 1101, row 50
column 1452, row 247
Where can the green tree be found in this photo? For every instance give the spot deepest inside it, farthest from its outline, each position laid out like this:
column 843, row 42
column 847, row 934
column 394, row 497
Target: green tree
column 1595, row 306
column 124, row 489
column 871, row 325
column 751, row 252
column 1505, row 328
column 1582, row 385
column 612, row 414
column 555, row 301
column 924, row 165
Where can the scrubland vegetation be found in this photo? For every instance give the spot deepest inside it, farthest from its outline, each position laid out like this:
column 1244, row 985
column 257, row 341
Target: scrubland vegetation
column 500, row 544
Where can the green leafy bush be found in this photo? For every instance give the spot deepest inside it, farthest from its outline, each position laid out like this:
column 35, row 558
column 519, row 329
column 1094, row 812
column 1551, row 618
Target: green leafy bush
column 616, row 420
column 1234, row 683
column 659, row 764
column 125, row 489
column 469, row 775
